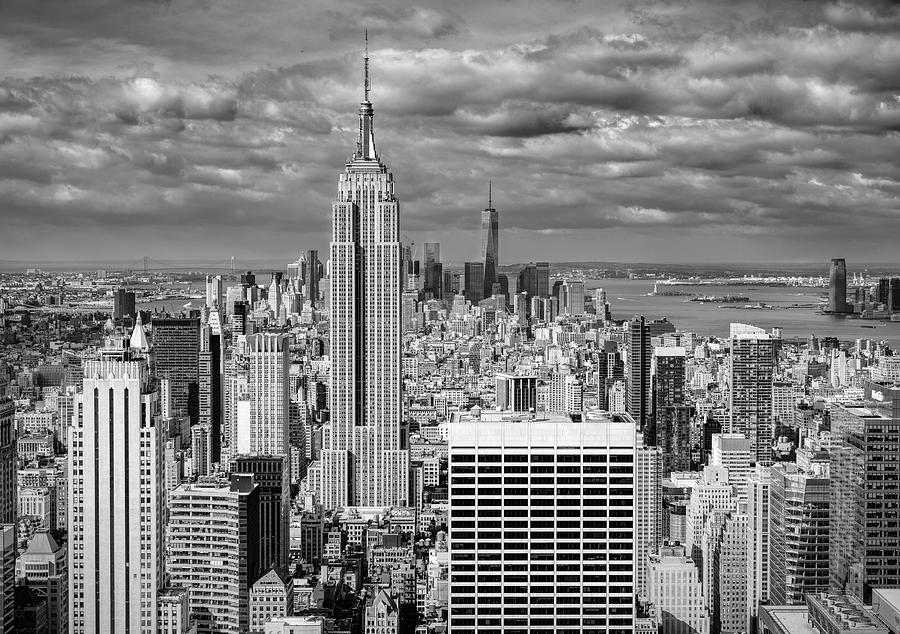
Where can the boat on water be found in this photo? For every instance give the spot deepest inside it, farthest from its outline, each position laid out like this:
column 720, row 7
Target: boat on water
column 867, row 326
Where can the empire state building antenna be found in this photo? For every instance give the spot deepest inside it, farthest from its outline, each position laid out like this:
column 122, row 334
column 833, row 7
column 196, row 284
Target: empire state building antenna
column 366, row 84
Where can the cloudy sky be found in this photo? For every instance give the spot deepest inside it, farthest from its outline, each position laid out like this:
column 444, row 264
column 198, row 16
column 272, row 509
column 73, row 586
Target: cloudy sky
column 628, row 130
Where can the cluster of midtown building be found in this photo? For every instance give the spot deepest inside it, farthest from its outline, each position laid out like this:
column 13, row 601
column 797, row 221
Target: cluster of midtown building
column 374, row 447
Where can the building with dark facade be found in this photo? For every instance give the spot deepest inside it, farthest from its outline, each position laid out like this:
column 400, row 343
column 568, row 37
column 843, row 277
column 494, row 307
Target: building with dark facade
column 176, row 345
column 865, row 498
column 837, row 287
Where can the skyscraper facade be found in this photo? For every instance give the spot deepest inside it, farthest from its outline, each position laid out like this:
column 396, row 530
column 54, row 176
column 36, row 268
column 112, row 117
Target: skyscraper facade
column 865, row 525
column 268, row 362
column 434, row 272
column 473, row 279
column 212, row 533
column 798, row 533
column 123, row 304
column 551, row 548
column 638, row 398
column 534, row 279
column 490, row 248
column 750, row 396
column 116, row 500
column 210, row 387
column 363, row 461
column 837, row 286
column 671, row 416
column 176, row 346
column 311, row 277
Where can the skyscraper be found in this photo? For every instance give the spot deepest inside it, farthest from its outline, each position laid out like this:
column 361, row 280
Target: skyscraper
column 123, row 304
column 473, row 274
column 272, row 475
column 8, row 461
column 798, row 533
column 559, row 553
column 534, row 279
column 116, row 500
column 865, row 525
column 490, row 247
column 758, row 538
column 434, row 272
column 8, row 513
column 269, row 361
column 215, row 292
column 363, row 461
column 638, row 398
column 750, row 396
column 176, row 346
column 837, row 286
column 672, row 417
column 210, row 386
column 311, row 277
column 212, row 530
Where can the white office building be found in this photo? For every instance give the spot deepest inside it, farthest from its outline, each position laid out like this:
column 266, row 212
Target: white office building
column 542, row 525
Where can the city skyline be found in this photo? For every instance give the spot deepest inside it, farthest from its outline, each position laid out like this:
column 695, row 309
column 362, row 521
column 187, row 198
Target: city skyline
column 769, row 137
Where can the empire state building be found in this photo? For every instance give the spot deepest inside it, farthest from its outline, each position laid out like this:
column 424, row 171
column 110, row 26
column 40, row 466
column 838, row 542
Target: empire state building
column 363, row 462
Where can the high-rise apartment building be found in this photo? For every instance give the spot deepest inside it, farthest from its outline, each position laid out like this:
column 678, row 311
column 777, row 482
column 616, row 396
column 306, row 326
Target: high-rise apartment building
column 837, row 286
column 865, row 525
column 638, row 398
column 176, row 348
column 363, row 461
column 490, row 248
column 542, row 526
column 116, row 499
column 750, row 394
column 212, row 529
column 798, row 533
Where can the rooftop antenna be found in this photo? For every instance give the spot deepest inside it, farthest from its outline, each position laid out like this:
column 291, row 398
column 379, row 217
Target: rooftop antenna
column 366, row 81
column 490, row 205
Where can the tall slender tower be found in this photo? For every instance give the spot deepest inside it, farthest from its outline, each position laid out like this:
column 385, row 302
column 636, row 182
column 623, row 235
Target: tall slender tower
column 116, row 500
column 490, row 246
column 363, row 462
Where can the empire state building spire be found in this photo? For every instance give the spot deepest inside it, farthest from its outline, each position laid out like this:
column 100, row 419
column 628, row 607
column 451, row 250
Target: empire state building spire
column 365, row 145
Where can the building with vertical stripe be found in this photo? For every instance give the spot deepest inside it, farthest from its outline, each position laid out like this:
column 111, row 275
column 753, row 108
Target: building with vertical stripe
column 116, row 500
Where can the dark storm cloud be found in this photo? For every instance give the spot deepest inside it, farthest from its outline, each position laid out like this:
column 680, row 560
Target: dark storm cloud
column 214, row 126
